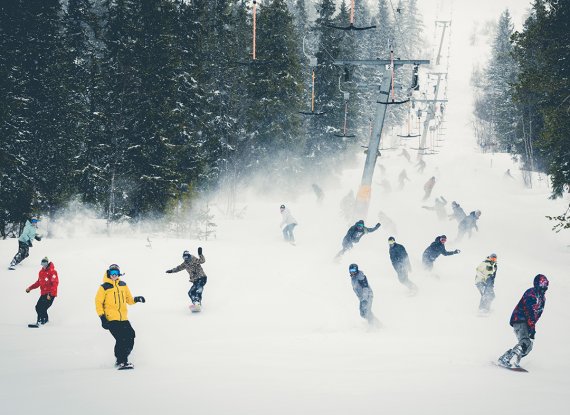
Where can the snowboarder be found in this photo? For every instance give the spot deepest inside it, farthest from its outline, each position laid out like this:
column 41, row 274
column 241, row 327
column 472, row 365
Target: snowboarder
column 405, row 154
column 402, row 177
column 458, row 212
column 428, row 187
column 193, row 265
column 401, row 263
column 485, row 282
column 468, row 224
column 436, row 249
column 421, row 165
column 347, row 205
column 111, row 305
column 508, row 174
column 523, row 321
column 363, row 292
column 48, row 281
column 439, row 207
column 353, row 236
column 318, row 192
column 25, row 241
column 288, row 223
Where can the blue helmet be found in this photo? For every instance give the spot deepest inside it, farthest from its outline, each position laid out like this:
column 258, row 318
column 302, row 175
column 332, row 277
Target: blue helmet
column 353, row 269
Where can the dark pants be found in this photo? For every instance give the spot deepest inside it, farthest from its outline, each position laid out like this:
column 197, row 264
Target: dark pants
column 523, row 347
column 42, row 308
column 23, row 253
column 365, row 306
column 402, row 272
column 124, row 336
column 195, row 292
column 346, row 246
column 427, row 262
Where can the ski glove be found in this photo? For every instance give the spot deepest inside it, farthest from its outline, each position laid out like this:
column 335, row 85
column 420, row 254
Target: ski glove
column 139, row 299
column 38, row 238
column 457, row 251
column 200, row 251
column 532, row 333
column 169, row 271
column 104, row 322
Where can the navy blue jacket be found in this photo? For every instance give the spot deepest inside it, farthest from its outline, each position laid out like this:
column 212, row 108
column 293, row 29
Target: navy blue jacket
column 434, row 250
column 399, row 256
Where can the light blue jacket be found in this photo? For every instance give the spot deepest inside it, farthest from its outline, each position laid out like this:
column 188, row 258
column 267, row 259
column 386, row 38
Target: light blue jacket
column 28, row 233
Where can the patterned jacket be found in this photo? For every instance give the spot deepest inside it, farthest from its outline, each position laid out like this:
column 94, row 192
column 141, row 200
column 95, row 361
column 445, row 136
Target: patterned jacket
column 47, row 281
column 529, row 309
column 485, row 272
column 193, row 267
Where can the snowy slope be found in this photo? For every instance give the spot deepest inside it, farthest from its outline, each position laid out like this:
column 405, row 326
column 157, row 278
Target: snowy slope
column 280, row 331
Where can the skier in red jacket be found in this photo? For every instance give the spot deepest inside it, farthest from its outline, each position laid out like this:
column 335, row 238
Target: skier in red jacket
column 48, row 282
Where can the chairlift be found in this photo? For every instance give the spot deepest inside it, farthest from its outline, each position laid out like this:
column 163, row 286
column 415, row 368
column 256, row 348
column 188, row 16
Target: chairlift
column 351, row 25
column 393, row 102
column 346, row 96
column 409, row 135
column 313, row 63
column 254, row 60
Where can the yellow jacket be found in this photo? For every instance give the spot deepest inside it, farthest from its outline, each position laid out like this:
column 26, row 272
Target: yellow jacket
column 112, row 299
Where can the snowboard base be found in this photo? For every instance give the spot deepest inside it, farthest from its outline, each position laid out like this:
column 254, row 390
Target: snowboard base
column 34, row 326
column 512, row 368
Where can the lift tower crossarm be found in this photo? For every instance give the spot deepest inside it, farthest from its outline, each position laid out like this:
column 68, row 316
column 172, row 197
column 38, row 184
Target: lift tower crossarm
column 379, row 62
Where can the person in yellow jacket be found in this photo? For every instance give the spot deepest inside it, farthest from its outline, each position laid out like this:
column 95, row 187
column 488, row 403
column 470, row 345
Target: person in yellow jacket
column 111, row 305
column 485, row 282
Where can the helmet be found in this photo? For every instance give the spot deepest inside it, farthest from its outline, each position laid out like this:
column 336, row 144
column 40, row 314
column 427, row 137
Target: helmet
column 360, row 224
column 113, row 270
column 45, row 262
column 282, row 207
column 541, row 282
column 493, row 257
column 454, row 204
column 477, row 213
column 443, row 238
column 186, row 255
column 391, row 239
column 33, row 219
column 353, row 269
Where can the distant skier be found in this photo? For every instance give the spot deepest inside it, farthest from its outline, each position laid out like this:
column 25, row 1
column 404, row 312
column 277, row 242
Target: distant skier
column 111, row 306
column 25, row 241
column 468, row 224
column 421, row 165
column 48, row 281
column 436, row 249
column 428, row 187
column 508, row 174
column 458, row 212
column 524, row 319
column 439, row 207
column 485, row 282
column 363, row 292
column 193, row 265
column 318, row 192
column 405, row 154
column 401, row 263
column 355, row 232
column 402, row 177
column 288, row 223
column 347, row 205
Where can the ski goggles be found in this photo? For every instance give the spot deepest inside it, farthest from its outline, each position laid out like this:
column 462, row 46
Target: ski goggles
column 114, row 273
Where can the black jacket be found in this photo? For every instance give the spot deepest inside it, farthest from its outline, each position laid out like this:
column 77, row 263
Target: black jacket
column 399, row 256
column 436, row 249
column 354, row 234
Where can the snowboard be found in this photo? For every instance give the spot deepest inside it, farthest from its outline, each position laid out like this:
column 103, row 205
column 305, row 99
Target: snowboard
column 195, row 309
column 128, row 366
column 513, row 368
column 11, row 267
column 34, row 326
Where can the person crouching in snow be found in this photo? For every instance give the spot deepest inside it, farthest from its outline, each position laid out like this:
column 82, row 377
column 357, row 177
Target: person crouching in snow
column 48, row 281
column 485, row 282
column 362, row 291
column 198, row 278
column 524, row 319
column 288, row 223
column 111, row 305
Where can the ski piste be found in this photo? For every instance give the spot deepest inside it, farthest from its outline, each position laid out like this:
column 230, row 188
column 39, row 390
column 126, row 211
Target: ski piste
column 512, row 368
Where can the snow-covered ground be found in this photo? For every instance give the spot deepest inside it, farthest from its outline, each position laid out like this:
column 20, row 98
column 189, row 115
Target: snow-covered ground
column 280, row 331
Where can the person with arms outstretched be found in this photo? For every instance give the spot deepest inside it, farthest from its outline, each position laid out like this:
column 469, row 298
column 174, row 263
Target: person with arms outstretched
column 193, row 265
column 29, row 233
column 436, row 249
column 48, row 280
column 355, row 232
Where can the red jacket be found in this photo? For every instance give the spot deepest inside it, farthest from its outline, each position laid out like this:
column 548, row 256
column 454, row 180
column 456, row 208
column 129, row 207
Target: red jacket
column 47, row 281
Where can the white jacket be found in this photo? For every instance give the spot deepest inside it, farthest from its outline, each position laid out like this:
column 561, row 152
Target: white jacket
column 288, row 219
column 485, row 270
